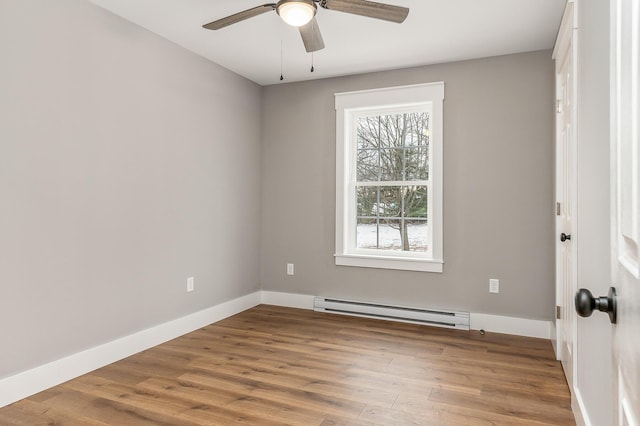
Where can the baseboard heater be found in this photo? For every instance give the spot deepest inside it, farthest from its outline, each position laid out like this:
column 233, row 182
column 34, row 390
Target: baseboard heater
column 437, row 318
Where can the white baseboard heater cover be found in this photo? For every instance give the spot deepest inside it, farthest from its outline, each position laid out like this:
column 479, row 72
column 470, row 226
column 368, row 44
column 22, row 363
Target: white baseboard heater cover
column 437, row 318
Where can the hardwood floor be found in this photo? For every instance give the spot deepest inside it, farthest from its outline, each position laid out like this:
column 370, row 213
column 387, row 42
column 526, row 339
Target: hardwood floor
column 272, row 366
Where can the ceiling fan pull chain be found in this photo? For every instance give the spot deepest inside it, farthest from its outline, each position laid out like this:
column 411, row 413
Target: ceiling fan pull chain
column 281, row 55
column 312, row 69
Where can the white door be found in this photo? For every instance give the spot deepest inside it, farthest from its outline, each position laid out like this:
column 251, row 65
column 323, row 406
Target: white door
column 566, row 284
column 625, row 208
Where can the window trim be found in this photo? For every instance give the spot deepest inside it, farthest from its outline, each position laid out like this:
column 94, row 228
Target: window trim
column 348, row 104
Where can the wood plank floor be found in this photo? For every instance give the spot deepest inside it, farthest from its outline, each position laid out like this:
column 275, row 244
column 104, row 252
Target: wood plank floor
column 273, row 366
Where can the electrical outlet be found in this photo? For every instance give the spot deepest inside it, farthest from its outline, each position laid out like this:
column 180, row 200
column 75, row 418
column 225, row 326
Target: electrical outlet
column 494, row 285
column 190, row 283
column 289, row 268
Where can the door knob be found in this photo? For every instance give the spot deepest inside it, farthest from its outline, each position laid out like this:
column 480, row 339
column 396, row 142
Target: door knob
column 564, row 237
column 586, row 303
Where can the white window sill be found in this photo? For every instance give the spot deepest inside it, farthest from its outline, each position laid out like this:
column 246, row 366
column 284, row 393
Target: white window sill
column 388, row 262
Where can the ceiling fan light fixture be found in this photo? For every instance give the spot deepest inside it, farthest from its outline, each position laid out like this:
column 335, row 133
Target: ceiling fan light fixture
column 296, row 12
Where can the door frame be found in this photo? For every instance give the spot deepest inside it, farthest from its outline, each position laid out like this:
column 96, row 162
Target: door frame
column 566, row 43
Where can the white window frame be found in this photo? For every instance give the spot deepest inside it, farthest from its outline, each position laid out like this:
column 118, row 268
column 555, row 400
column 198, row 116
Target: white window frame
column 349, row 106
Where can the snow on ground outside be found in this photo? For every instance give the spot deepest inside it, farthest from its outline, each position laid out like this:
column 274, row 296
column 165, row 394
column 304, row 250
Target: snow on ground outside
column 390, row 237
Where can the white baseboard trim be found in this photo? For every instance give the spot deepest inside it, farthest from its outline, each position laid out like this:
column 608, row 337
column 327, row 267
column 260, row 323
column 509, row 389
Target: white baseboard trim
column 491, row 323
column 578, row 408
column 553, row 336
column 24, row 384
column 511, row 325
column 289, row 300
column 27, row 383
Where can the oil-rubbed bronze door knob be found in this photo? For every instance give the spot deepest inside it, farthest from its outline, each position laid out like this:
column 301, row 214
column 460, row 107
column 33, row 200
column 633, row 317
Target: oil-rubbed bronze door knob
column 564, row 237
column 586, row 303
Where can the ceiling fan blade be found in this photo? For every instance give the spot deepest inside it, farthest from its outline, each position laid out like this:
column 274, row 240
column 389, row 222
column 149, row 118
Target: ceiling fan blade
column 311, row 36
column 240, row 16
column 367, row 8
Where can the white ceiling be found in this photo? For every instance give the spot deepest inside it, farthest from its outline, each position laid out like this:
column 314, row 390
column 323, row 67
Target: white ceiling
column 435, row 31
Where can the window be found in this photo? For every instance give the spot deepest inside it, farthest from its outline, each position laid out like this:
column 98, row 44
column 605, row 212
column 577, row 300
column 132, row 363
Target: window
column 389, row 178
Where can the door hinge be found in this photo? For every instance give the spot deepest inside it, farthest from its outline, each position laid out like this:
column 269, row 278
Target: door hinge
column 558, row 209
column 558, row 316
column 558, row 106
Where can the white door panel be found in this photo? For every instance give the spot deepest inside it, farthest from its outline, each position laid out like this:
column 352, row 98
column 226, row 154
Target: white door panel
column 625, row 214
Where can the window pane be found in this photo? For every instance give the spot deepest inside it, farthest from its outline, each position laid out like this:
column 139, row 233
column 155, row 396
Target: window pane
column 393, row 147
column 415, row 201
column 367, row 234
column 389, row 234
column 408, row 235
column 417, row 163
column 368, row 132
column 367, row 200
column 367, row 168
column 391, row 164
column 390, row 201
column 417, row 233
column 417, row 129
column 391, row 131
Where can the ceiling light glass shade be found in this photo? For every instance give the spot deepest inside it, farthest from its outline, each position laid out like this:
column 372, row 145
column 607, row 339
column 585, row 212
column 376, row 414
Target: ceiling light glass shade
column 296, row 13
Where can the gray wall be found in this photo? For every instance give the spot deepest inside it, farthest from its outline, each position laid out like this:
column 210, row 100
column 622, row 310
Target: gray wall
column 498, row 190
column 127, row 164
column 593, row 232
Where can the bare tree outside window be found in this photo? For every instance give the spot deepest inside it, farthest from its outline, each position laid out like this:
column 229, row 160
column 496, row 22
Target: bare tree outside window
column 392, row 180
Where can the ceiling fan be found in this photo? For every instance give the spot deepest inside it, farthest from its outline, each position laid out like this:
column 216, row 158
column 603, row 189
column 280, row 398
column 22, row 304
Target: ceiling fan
column 301, row 14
